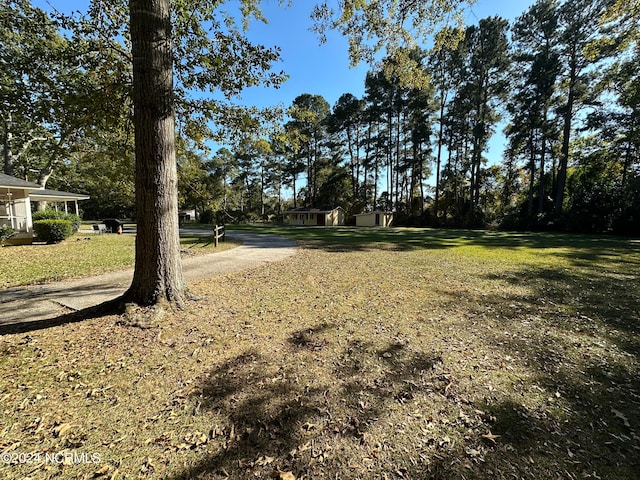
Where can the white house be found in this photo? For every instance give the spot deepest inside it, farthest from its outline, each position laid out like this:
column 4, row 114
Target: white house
column 16, row 196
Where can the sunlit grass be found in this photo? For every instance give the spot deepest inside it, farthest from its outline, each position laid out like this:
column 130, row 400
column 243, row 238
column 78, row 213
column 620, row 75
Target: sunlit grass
column 82, row 255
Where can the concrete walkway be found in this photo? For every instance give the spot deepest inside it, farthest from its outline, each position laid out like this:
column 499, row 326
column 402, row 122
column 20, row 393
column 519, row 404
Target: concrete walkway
column 27, row 304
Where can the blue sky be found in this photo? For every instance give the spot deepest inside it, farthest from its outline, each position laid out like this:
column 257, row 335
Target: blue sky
column 324, row 69
column 313, row 68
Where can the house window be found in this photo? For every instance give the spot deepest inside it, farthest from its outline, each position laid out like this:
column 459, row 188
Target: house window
column 13, row 212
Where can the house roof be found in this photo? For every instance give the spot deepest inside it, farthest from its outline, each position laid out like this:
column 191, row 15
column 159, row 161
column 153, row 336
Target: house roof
column 37, row 192
column 7, row 181
column 374, row 212
column 314, row 210
column 56, row 195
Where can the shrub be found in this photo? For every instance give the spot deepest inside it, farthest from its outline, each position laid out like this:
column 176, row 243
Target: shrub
column 208, row 216
column 53, row 215
column 6, row 233
column 75, row 222
column 53, row 231
column 47, row 215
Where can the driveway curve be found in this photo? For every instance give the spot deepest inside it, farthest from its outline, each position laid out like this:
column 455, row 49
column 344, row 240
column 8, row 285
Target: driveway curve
column 25, row 304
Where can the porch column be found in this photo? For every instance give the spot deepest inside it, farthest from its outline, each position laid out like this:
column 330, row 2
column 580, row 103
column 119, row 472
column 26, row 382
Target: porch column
column 29, row 219
column 11, row 217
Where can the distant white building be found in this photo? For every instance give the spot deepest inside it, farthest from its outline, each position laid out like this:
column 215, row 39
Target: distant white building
column 187, row 216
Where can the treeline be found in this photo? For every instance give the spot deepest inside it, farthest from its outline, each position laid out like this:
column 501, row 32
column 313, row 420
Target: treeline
column 562, row 81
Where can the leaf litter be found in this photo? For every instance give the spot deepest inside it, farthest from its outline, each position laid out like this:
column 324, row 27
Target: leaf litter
column 429, row 365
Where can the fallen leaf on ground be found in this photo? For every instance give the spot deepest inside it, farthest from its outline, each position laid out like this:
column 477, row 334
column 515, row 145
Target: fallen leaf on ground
column 60, row 430
column 103, row 471
column 280, row 475
column 621, row 416
column 490, row 437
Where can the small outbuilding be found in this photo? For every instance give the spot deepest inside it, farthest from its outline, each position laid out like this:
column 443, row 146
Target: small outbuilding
column 376, row 218
column 186, row 216
column 330, row 217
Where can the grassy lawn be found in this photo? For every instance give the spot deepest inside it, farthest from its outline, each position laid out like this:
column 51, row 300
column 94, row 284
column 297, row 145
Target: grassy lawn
column 370, row 354
column 82, row 255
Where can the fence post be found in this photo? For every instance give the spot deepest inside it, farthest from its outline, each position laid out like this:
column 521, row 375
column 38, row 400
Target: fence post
column 215, row 236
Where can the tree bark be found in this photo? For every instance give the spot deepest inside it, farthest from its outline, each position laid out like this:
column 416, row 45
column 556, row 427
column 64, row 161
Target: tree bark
column 158, row 270
column 532, row 174
column 436, row 205
column 6, row 144
column 295, row 201
column 541, row 187
column 566, row 138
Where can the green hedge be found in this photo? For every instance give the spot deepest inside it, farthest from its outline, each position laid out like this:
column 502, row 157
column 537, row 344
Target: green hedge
column 53, row 231
column 6, row 233
column 53, row 215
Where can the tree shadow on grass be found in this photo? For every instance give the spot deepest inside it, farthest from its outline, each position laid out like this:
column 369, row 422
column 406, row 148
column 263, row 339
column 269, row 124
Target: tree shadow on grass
column 591, row 298
column 279, row 419
column 276, row 422
column 576, row 412
column 584, row 421
column 577, row 333
column 308, row 338
column 577, row 420
column 111, row 307
column 345, row 239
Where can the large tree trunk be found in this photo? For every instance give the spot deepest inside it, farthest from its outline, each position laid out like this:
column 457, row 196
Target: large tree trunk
column 7, row 138
column 295, row 201
column 158, row 270
column 436, row 204
column 532, row 174
column 566, row 138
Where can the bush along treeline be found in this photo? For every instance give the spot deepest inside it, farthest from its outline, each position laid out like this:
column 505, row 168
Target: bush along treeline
column 561, row 83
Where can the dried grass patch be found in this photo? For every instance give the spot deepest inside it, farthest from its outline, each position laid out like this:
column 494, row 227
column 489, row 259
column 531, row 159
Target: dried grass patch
column 466, row 362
